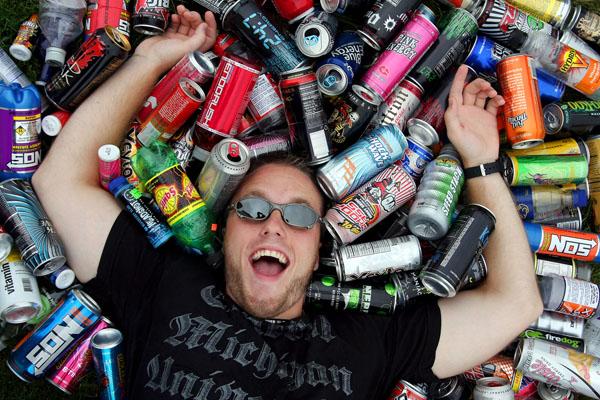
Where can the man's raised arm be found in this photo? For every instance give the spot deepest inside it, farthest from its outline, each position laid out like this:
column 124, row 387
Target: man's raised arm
column 67, row 181
column 477, row 324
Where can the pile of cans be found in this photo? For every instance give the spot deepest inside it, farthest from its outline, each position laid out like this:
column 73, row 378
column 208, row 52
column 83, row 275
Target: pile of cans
column 357, row 88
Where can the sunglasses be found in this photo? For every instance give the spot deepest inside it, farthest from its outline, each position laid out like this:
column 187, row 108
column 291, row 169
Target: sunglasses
column 258, row 209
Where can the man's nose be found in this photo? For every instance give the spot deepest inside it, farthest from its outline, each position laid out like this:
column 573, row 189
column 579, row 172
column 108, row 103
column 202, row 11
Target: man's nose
column 274, row 225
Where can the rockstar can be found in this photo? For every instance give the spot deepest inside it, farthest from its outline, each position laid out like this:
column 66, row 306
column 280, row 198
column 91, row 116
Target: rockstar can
column 336, row 72
column 563, row 242
column 264, row 145
column 545, row 170
column 581, row 116
column 101, row 13
column 19, row 294
column 399, row 106
column 315, row 35
column 107, row 354
column 384, row 20
column 150, row 17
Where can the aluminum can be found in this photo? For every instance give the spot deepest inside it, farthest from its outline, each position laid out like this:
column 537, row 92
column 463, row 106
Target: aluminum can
column 556, row 365
column 224, row 170
column 369, row 204
column 351, row 113
column 564, row 146
column 399, row 106
column 325, row 291
column 523, row 116
column 585, row 24
column 560, row 323
column 216, row 6
column 569, row 218
column 10, row 72
column 63, row 277
column 563, row 242
column 545, row 170
column 315, row 35
column 109, row 164
column 344, row 6
column 548, row 266
column 101, row 13
column 493, row 388
column 460, row 29
column 194, row 65
column 336, row 72
column 228, row 97
column 6, row 244
column 109, row 363
column 523, row 386
column 454, row 388
column 129, row 148
column 182, row 143
column 554, row 12
column 533, row 201
column 593, row 143
column 400, row 56
column 247, row 125
column 591, row 336
column 567, row 341
column 41, row 348
column 384, row 20
column 150, row 17
column 408, row 287
column 294, row 10
column 476, row 273
column 305, row 115
column 466, row 238
column 581, row 116
column 498, row 366
column 577, row 43
column 26, row 39
column 382, row 257
column 24, row 218
column 266, row 105
column 272, row 45
column 53, row 123
column 367, row 157
column 549, row 392
column 68, row 372
column 264, row 145
column 97, row 58
column 415, row 159
column 404, row 390
column 19, row 294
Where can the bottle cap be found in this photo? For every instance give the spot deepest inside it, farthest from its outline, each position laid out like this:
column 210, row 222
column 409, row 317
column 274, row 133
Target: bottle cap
column 109, row 153
column 63, row 277
column 116, row 184
column 20, row 52
column 55, row 56
column 51, row 125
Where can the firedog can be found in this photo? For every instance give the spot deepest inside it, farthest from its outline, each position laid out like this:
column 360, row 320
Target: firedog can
column 150, row 17
column 581, row 116
column 101, row 13
column 41, row 348
column 19, row 294
column 109, row 362
column 384, row 20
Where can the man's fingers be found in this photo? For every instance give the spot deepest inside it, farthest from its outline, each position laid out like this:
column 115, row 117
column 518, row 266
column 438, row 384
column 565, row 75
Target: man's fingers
column 456, row 91
column 211, row 30
column 478, row 87
column 483, row 96
column 197, row 37
column 451, row 115
column 494, row 103
column 174, row 25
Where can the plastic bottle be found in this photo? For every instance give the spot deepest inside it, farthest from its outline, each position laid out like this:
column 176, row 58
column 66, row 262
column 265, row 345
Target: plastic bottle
column 569, row 296
column 61, row 22
column 191, row 221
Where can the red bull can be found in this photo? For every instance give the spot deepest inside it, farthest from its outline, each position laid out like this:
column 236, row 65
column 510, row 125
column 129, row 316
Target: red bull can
column 107, row 353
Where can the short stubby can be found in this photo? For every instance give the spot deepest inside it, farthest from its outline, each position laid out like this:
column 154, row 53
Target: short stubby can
column 24, row 218
column 19, row 293
column 150, row 17
column 523, row 117
column 101, row 13
column 109, row 363
column 384, row 20
column 416, row 157
column 315, row 35
column 545, row 170
column 369, row 204
column 43, row 347
column 294, row 10
column 364, row 159
column 404, row 390
column 493, row 388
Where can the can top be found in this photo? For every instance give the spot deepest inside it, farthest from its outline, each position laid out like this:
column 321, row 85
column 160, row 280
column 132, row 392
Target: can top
column 482, row 208
column 232, row 156
column 106, row 338
column 118, row 38
column 494, row 382
column 313, row 38
column 554, row 118
column 86, row 300
column 109, row 153
column 330, row 6
column 366, row 94
column 332, row 79
column 368, row 39
column 422, row 131
column 192, row 89
column 550, row 392
column 202, row 63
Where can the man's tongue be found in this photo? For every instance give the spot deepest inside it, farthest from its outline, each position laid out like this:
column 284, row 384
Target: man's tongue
column 267, row 266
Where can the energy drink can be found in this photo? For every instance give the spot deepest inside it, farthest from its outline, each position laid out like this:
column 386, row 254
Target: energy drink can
column 523, row 116
column 454, row 388
column 129, row 148
column 466, row 238
column 247, row 125
column 369, row 204
column 344, row 6
column 109, row 164
column 150, row 17
column 101, row 13
column 97, row 58
column 336, row 72
column 498, row 366
column 575, row 116
column 534, row 201
column 404, row 390
column 382, row 257
column 554, row 12
column 476, row 273
column 368, row 156
column 26, row 39
column 274, row 47
column 408, row 287
column 263, row 145
column 545, row 170
column 266, row 105
column 415, row 159
column 305, row 115
column 19, row 294
column 569, row 218
column 549, row 266
column 53, row 123
column 577, row 43
column 224, row 170
column 41, row 348
column 294, row 10
column 564, row 146
column 593, row 143
column 585, row 24
column 563, row 242
column 560, row 323
column 316, row 34
column 399, row 106
column 326, row 291
column 109, row 362
column 10, row 72
column 6, row 244
column 384, row 20
column 400, row 57
column 216, row 6
column 23, row 216
column 493, row 388
column 550, row 392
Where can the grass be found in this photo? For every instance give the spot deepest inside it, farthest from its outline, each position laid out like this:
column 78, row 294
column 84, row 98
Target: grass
column 11, row 388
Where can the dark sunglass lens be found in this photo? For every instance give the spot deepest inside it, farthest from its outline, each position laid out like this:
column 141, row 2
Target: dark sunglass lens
column 253, row 208
column 300, row 215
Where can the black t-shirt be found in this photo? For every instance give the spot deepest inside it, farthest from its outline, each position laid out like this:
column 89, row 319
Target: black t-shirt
column 185, row 339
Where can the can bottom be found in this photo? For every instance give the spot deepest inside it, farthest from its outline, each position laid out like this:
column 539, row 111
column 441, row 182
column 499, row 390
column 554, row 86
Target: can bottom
column 147, row 29
column 14, row 371
column 49, row 266
column 526, row 144
column 437, row 285
column 20, row 313
column 56, row 385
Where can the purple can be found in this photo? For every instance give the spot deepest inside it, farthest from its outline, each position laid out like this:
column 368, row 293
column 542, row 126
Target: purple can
column 400, row 56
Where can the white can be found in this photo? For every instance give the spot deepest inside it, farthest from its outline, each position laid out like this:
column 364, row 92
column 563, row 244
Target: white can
column 493, row 388
column 19, row 294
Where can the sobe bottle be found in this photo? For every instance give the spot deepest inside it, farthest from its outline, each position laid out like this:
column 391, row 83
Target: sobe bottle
column 191, row 221
column 61, row 21
column 431, row 213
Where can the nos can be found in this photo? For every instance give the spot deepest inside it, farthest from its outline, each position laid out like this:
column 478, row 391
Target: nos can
column 407, row 391
column 545, row 170
column 466, row 238
column 315, row 35
column 399, row 106
column 369, row 204
column 109, row 362
column 50, row 340
column 97, row 58
column 150, row 17
column 266, row 105
column 19, row 294
column 294, row 10
column 264, row 145
column 336, row 72
column 382, row 257
column 575, row 116
column 222, row 173
column 563, row 242
column 23, row 216
column 101, row 13
column 493, row 388
column 384, row 20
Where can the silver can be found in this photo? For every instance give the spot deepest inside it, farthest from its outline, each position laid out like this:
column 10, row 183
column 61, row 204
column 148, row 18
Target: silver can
column 19, row 293
column 549, row 392
column 548, row 265
column 400, row 105
column 264, row 145
column 493, row 388
column 559, row 323
column 6, row 244
column 315, row 36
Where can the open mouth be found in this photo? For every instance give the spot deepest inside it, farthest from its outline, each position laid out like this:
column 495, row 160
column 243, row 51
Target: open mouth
column 269, row 263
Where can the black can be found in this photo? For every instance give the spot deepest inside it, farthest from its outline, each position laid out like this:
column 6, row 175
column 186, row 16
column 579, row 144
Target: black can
column 305, row 115
column 384, row 20
column 272, row 44
column 150, row 17
column 216, row 6
column 325, row 291
column 575, row 116
column 345, row 6
column 454, row 388
column 351, row 115
column 475, row 274
column 445, row 271
column 408, row 287
column 584, row 24
column 96, row 60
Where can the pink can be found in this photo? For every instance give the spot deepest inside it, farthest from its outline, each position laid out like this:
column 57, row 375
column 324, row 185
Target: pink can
column 400, row 56
column 109, row 164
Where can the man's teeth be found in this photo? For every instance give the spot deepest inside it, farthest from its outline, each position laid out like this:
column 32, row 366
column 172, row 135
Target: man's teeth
column 270, row 253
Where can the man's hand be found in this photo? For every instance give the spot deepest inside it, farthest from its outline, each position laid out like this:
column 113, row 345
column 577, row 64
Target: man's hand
column 471, row 119
column 187, row 32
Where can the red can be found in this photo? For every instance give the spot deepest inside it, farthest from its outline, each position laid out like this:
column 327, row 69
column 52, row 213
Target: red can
column 150, row 17
column 109, row 164
column 407, row 391
column 266, row 105
column 294, row 10
column 223, row 42
column 101, row 13
column 247, row 126
column 53, row 123
column 195, row 66
column 228, row 96
column 185, row 99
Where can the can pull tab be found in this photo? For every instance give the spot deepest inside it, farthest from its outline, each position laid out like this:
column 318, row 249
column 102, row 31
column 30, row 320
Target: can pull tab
column 233, row 152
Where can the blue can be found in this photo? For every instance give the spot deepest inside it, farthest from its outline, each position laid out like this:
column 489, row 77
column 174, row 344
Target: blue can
column 336, row 72
column 107, row 352
column 529, row 199
column 140, row 207
column 416, row 158
column 50, row 340
column 551, row 89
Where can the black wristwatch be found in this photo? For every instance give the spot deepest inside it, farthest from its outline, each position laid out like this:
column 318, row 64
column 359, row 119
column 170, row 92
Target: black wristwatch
column 484, row 169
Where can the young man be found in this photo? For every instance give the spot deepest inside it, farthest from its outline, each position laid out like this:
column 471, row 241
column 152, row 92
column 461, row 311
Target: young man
column 189, row 335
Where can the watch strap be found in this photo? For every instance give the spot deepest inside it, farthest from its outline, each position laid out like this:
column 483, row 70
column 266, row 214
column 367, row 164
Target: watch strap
column 483, row 169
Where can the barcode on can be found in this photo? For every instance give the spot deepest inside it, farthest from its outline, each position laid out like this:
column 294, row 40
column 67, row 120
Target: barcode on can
column 26, row 285
column 368, row 249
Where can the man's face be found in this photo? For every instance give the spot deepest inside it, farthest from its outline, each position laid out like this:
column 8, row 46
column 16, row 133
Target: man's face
column 255, row 277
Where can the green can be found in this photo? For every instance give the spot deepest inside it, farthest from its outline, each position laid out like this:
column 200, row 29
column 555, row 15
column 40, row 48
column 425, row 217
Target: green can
column 545, row 170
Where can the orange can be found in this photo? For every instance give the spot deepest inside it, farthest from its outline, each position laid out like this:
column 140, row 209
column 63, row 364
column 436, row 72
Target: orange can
column 523, row 116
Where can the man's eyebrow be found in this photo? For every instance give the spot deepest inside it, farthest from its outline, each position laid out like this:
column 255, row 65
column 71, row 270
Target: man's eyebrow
column 259, row 193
